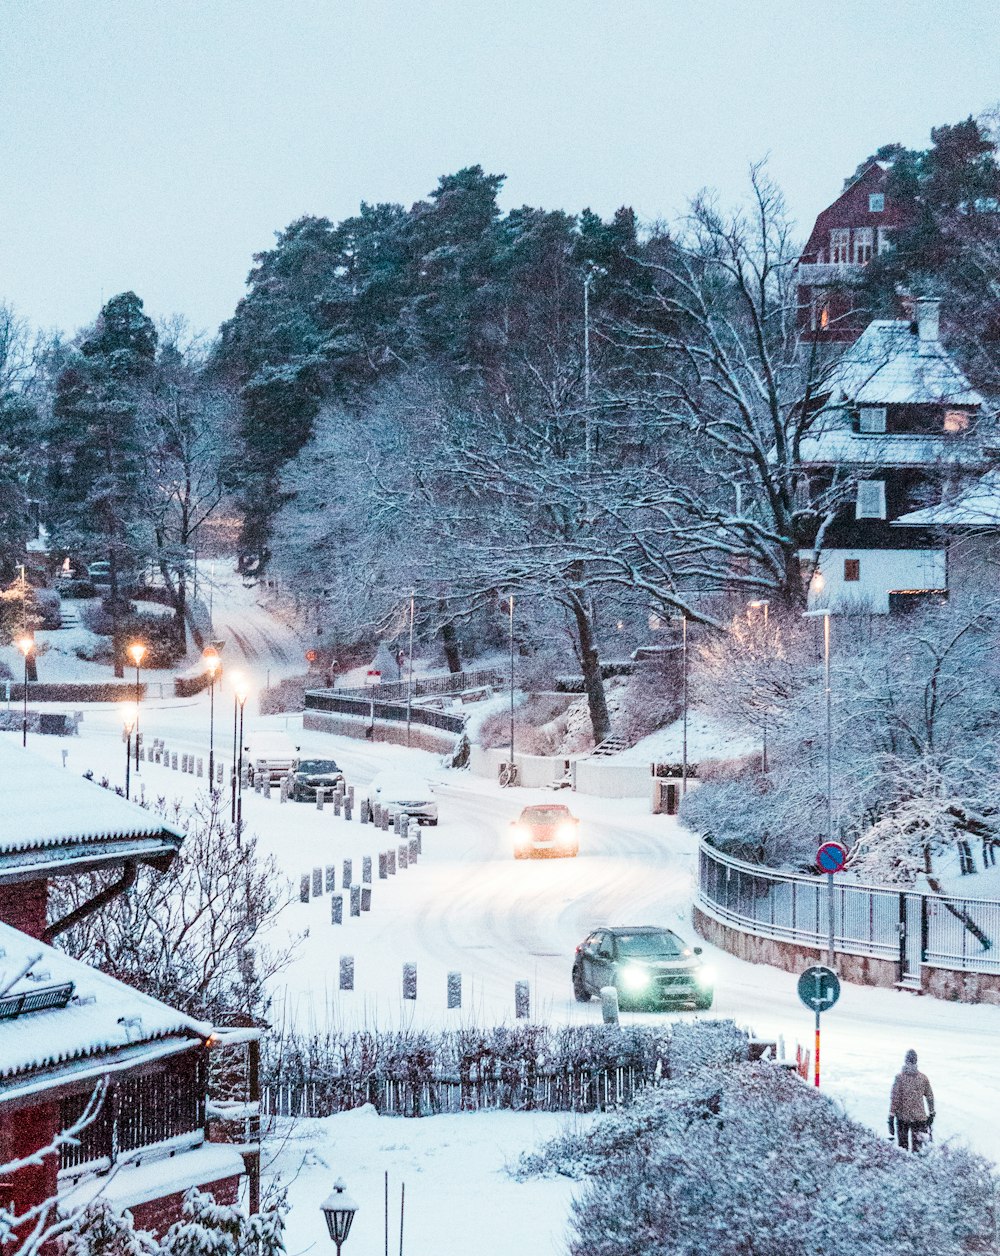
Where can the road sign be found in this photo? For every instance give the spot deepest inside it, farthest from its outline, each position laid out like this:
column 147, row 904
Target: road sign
column 311, row 656
column 831, row 857
column 819, row 988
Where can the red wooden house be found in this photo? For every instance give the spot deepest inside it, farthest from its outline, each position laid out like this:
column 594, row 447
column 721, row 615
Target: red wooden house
column 68, row 1032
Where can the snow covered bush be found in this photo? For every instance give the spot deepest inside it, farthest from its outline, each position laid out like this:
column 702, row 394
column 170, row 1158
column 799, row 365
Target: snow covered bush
column 745, row 1160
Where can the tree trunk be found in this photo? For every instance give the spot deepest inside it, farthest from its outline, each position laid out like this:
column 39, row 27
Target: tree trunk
column 593, row 681
column 449, row 641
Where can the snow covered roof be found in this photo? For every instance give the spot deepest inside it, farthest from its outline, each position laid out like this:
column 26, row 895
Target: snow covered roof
column 977, row 507
column 104, row 1018
column 50, row 816
column 889, row 365
column 834, row 441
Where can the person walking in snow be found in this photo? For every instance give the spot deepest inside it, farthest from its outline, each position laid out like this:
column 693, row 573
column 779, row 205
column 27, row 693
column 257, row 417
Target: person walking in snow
column 909, row 1119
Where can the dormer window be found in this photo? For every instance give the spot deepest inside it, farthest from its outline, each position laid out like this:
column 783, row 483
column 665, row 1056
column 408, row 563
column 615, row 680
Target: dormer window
column 956, row 421
column 871, row 500
column 840, row 246
column 864, row 244
column 876, row 203
column 871, row 420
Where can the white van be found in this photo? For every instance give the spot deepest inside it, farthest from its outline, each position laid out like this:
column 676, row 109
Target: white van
column 402, row 794
column 273, row 753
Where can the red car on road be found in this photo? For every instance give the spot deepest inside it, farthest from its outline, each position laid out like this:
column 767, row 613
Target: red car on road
column 546, row 829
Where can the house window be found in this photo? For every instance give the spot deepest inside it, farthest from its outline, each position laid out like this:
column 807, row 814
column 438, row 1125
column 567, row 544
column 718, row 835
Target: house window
column 871, row 500
column 864, row 242
column 956, row 421
column 876, row 203
column 852, row 569
column 824, row 318
column 840, row 246
column 871, row 420
column 884, row 239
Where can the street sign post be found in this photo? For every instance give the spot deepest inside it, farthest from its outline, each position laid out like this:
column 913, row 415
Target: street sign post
column 819, row 990
column 830, row 858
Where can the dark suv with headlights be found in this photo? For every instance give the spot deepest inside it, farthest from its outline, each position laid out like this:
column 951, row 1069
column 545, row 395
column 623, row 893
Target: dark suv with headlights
column 648, row 966
column 310, row 775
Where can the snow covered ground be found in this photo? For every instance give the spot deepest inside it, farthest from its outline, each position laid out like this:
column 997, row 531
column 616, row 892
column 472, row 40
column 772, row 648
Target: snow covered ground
column 468, row 906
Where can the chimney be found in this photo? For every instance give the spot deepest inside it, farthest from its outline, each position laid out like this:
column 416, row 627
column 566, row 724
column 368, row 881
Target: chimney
column 928, row 324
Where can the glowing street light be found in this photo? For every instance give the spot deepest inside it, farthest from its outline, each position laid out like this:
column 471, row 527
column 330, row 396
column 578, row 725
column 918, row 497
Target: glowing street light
column 25, row 644
column 137, row 652
column 130, row 722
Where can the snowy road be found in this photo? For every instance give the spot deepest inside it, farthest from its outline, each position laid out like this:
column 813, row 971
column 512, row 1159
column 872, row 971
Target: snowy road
column 468, row 906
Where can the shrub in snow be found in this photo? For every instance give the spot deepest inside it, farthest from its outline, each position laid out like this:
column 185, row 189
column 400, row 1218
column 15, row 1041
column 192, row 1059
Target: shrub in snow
column 745, row 1160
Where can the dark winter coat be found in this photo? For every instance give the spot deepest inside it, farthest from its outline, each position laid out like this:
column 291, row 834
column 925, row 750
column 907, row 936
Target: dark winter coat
column 909, row 1091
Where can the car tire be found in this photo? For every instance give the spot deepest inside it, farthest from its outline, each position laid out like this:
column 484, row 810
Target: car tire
column 704, row 1002
column 432, row 823
column 580, row 991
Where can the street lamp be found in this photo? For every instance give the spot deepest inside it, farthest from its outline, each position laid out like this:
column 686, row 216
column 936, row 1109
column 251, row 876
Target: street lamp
column 130, row 719
column 242, row 693
column 684, row 699
column 136, row 652
column 25, row 644
column 238, row 681
column 212, row 661
column 339, row 1210
column 510, row 608
column 825, row 615
column 763, row 604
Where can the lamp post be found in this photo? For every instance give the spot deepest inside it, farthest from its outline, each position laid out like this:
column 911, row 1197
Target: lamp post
column 242, row 693
column 684, row 697
column 25, row 644
column 827, row 690
column 339, row 1210
column 130, row 719
column 238, row 683
column 409, row 678
column 136, row 652
column 510, row 608
column 212, row 667
column 763, row 604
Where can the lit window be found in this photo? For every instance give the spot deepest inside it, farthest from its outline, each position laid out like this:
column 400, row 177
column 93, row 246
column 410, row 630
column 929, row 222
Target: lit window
column 871, row 500
column 864, row 242
column 840, row 246
column 956, row 421
column 876, row 203
column 852, row 569
column 824, row 317
column 871, row 420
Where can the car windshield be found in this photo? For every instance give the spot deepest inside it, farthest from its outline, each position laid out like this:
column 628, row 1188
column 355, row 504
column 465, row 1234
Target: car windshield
column 663, row 945
column 545, row 815
column 406, row 791
column 318, row 765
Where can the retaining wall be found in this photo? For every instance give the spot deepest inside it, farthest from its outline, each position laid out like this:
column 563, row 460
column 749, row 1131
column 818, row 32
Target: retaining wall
column 422, row 738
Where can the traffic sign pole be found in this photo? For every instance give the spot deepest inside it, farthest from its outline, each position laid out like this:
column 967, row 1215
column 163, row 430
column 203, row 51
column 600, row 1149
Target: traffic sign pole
column 831, row 857
column 819, row 994
column 829, row 919
column 819, row 990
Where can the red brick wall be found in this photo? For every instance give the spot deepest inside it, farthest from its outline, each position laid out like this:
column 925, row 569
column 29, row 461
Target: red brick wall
column 25, row 907
column 21, row 1133
column 158, row 1215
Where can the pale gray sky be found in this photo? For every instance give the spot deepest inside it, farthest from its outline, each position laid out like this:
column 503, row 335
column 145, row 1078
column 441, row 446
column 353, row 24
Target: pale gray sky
column 156, row 146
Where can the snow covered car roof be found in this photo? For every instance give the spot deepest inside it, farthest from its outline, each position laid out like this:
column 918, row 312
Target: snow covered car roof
column 102, row 1018
column 50, row 816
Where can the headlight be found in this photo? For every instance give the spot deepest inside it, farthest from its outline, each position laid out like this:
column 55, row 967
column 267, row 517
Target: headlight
column 635, row 978
column 519, row 833
column 705, row 977
column 566, row 832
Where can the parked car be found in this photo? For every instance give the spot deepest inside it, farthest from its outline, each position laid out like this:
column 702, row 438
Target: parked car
column 310, row 775
column 546, row 829
column 648, row 966
column 403, row 795
column 270, row 752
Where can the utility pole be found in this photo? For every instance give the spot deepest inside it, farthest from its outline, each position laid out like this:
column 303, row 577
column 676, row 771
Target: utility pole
column 684, row 747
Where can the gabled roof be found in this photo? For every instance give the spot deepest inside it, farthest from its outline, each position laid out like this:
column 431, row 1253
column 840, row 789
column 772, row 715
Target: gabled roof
column 53, row 822
column 106, row 1024
column 833, row 442
column 885, row 367
column 977, row 507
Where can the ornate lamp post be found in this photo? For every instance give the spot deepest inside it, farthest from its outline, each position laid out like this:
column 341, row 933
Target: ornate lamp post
column 137, row 652
column 25, row 644
column 130, row 720
column 212, row 663
column 339, row 1210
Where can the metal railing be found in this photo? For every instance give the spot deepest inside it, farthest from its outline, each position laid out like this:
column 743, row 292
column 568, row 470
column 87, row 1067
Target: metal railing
column 910, row 927
column 332, row 702
column 428, row 686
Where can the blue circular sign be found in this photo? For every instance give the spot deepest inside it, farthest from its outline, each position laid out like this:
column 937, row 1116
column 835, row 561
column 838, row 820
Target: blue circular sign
column 831, row 857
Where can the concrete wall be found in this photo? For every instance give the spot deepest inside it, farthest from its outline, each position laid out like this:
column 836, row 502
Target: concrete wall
column 535, row 771
column 942, row 983
column 605, row 778
column 880, row 572
column 438, row 741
